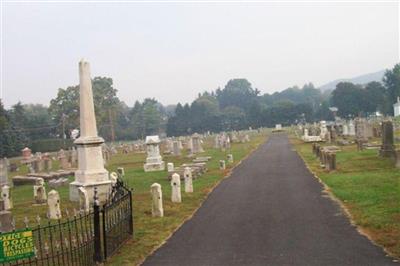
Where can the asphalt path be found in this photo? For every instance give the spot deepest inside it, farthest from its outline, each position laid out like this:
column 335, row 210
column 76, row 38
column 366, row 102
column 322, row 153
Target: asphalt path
column 270, row 211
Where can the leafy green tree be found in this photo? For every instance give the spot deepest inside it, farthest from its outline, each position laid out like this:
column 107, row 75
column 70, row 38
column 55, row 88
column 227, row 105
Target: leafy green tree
column 12, row 140
column 374, row 98
column 237, row 92
column 391, row 80
column 65, row 107
column 348, row 98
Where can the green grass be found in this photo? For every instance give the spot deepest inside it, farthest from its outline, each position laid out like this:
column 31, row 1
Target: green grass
column 368, row 186
column 149, row 232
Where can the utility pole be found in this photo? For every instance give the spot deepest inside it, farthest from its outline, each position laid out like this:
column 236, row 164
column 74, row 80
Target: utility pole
column 63, row 128
column 110, row 118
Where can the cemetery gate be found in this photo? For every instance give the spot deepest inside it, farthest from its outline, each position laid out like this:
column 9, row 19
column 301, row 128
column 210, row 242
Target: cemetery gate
column 80, row 239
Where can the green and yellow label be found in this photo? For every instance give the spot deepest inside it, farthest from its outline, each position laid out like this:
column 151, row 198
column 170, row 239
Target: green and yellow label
column 16, row 245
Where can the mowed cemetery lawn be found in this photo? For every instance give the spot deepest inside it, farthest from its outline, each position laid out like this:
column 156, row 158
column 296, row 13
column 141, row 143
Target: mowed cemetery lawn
column 149, row 232
column 369, row 188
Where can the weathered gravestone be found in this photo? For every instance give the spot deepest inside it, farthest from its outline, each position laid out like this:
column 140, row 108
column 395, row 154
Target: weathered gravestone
column 230, row 158
column 48, row 163
column 176, row 188
column 196, row 144
column 188, row 180
column 6, row 198
column 39, row 192
column 222, row 164
column 170, row 167
column 176, row 151
column 157, row 209
column 387, row 148
column 154, row 160
column 53, row 201
column 62, row 157
column 84, row 202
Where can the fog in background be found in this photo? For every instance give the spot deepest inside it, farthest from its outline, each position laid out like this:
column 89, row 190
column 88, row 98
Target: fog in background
column 172, row 51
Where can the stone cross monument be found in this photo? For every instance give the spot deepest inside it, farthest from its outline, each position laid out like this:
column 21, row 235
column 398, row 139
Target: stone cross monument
column 91, row 172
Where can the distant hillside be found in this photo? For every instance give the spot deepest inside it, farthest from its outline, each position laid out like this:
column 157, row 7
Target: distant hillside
column 363, row 79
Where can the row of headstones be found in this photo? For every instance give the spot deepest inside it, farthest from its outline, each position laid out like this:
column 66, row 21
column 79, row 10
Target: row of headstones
column 326, row 155
column 43, row 162
column 361, row 128
column 223, row 141
column 176, row 197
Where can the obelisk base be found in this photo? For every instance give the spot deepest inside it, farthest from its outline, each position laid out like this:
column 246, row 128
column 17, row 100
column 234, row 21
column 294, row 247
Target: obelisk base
column 103, row 190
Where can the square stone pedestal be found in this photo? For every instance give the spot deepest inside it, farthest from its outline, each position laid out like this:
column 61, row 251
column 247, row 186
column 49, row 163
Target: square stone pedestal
column 103, row 189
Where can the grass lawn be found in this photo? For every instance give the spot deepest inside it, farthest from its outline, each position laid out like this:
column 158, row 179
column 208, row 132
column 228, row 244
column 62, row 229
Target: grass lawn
column 149, row 232
column 369, row 188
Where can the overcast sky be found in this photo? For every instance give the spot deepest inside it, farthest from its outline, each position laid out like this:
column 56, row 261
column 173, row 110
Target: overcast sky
column 172, row 51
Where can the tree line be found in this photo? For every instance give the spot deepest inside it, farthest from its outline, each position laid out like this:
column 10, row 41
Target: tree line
column 235, row 106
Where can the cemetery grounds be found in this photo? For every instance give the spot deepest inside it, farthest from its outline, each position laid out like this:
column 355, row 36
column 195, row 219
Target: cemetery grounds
column 149, row 232
column 366, row 186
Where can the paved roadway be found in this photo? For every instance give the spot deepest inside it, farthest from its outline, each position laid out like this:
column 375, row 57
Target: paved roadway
column 271, row 211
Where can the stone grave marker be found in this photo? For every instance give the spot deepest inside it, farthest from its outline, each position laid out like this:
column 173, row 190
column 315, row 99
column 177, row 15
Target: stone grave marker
column 176, row 188
column 187, row 174
column 6, row 197
column 53, row 201
column 157, row 209
column 222, row 165
column 39, row 192
column 84, row 202
column 154, row 160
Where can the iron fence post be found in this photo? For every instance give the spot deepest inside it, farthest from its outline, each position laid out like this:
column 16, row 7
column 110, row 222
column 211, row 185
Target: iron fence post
column 131, row 212
column 97, row 256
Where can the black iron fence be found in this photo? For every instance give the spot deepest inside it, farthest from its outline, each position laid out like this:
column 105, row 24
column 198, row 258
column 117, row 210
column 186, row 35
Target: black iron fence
column 84, row 238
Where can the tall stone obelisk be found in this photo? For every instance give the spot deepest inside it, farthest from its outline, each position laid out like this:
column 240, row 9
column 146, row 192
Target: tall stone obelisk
column 91, row 172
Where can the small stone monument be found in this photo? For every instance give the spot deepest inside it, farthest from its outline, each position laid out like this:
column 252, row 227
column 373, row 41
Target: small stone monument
column 26, row 154
column 345, row 130
column 62, row 157
column 170, row 167
column 39, row 192
column 74, row 157
column 154, row 160
column 387, row 148
column 176, row 188
column 352, row 129
column 84, row 202
column 176, row 151
column 53, row 201
column 187, row 174
column 230, row 158
column 157, row 203
column 48, row 165
column 222, row 165
column 39, row 162
column 196, row 144
column 6, row 198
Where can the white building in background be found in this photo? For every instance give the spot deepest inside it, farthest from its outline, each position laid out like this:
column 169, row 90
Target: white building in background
column 396, row 107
